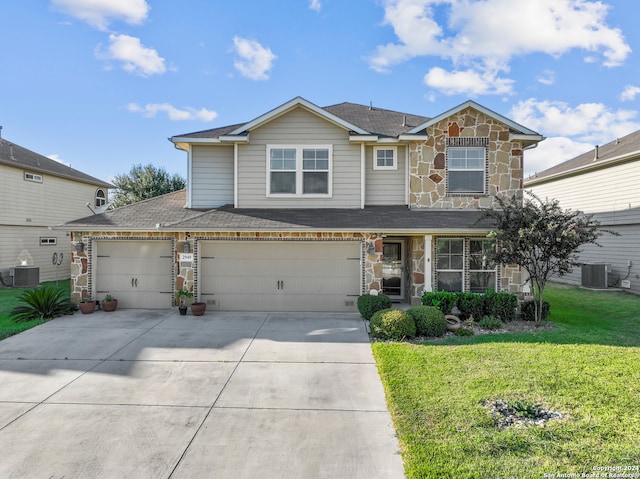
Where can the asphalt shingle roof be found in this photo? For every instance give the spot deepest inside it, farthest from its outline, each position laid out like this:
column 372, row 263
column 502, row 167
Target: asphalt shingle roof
column 20, row 157
column 169, row 211
column 619, row 147
column 376, row 121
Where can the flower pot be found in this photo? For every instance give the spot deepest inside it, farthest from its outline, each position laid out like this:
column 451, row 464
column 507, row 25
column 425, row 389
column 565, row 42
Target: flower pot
column 183, row 310
column 87, row 307
column 197, row 309
column 109, row 306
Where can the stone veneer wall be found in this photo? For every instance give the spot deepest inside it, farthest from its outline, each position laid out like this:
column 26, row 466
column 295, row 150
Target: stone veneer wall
column 428, row 170
column 185, row 273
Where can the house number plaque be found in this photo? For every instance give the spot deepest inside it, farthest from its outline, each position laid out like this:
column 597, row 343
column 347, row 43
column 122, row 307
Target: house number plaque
column 185, row 257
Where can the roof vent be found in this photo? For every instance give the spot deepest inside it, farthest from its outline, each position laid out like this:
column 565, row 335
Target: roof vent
column 404, row 120
column 595, row 157
column 617, row 139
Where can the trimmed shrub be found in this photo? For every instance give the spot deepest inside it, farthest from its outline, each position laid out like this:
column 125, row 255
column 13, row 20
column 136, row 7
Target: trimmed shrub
column 429, row 321
column 528, row 310
column 502, row 305
column 47, row 302
column 393, row 324
column 463, row 332
column 369, row 304
column 471, row 304
column 490, row 322
column 443, row 300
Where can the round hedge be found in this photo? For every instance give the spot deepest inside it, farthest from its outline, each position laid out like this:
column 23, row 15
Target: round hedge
column 393, row 324
column 430, row 321
column 368, row 304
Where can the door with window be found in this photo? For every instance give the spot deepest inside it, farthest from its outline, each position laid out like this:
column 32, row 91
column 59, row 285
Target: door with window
column 393, row 269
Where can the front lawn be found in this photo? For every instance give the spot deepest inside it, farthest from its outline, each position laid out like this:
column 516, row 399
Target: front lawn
column 587, row 368
column 8, row 300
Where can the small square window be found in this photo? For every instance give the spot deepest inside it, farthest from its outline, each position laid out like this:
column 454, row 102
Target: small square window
column 385, row 158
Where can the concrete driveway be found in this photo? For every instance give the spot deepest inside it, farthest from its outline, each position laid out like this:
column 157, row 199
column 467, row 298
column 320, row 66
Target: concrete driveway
column 152, row 394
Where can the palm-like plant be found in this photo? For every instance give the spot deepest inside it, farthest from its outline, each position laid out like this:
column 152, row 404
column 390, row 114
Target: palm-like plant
column 47, row 302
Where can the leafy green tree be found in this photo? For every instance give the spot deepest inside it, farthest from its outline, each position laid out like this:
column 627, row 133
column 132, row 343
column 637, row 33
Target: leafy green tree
column 142, row 183
column 541, row 237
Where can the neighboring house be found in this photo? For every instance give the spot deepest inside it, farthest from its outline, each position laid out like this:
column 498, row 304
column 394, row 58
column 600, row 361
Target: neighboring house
column 38, row 192
column 306, row 208
column 603, row 182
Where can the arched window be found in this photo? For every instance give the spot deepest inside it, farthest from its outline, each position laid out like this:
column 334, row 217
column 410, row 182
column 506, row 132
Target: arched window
column 101, row 198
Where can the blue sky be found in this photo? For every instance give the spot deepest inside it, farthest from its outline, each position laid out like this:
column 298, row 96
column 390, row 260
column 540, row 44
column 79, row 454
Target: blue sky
column 102, row 84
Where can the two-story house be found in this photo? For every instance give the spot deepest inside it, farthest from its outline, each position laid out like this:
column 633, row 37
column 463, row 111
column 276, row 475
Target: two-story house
column 306, row 208
column 37, row 192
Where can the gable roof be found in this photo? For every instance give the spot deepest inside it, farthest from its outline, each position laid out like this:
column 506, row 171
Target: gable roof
column 20, row 157
column 620, row 150
column 361, row 119
column 476, row 106
column 168, row 213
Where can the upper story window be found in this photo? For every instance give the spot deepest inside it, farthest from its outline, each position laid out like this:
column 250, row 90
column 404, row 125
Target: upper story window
column 466, row 170
column 32, row 177
column 385, row 158
column 101, row 198
column 299, row 170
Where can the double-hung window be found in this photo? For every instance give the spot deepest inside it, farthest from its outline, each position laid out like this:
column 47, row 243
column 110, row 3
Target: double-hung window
column 466, row 170
column 482, row 271
column 450, row 264
column 299, row 170
column 463, row 264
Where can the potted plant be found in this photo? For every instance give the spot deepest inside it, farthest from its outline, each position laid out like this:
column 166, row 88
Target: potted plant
column 181, row 296
column 87, row 305
column 198, row 308
column 109, row 303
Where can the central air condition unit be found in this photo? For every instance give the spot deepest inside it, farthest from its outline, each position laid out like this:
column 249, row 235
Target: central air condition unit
column 25, row 276
column 595, row 275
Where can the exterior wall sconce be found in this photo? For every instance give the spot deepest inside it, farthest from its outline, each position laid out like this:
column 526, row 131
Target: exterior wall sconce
column 186, row 248
column 371, row 247
column 79, row 247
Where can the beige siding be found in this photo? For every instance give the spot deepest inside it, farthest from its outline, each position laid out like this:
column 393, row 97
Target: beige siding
column 385, row 187
column 54, row 201
column 211, row 176
column 298, row 127
column 611, row 189
column 22, row 243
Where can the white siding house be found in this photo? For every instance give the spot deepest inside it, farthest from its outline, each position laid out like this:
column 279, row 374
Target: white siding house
column 602, row 182
column 36, row 193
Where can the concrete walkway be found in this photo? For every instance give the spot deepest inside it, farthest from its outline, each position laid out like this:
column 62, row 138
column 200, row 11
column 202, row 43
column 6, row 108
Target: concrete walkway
column 151, row 394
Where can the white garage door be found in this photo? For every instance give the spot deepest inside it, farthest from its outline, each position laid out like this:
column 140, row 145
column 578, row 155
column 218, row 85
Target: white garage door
column 136, row 273
column 280, row 275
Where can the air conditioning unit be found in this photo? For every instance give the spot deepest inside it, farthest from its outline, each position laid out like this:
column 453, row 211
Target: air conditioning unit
column 25, row 276
column 595, row 275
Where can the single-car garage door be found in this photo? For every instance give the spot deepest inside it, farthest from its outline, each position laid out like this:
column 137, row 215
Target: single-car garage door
column 280, row 275
column 136, row 273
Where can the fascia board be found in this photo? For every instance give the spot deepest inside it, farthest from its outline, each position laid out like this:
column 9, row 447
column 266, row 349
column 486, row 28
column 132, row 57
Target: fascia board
column 298, row 101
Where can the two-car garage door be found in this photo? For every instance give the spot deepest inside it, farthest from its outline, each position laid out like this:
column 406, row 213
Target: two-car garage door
column 280, row 275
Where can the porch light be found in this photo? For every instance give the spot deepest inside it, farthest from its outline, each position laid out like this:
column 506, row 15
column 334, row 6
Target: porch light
column 371, row 248
column 186, row 248
column 79, row 247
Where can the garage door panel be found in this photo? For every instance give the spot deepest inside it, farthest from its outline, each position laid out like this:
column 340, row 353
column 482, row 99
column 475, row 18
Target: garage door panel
column 136, row 273
column 281, row 276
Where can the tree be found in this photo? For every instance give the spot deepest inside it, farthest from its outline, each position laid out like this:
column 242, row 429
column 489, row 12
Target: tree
column 541, row 237
column 142, row 183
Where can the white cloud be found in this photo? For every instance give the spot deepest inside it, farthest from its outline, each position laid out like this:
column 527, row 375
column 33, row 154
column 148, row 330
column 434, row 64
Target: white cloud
column 150, row 110
column 56, row 157
column 135, row 57
column 255, row 61
column 486, row 35
column 576, row 130
column 629, row 93
column 99, row 13
column 470, row 82
column 315, row 5
column 547, row 77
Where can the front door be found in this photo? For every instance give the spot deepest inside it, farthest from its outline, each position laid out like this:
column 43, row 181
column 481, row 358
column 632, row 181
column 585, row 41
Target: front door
column 393, row 269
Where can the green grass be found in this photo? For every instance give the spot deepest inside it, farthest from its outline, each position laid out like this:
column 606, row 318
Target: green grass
column 8, row 300
column 587, row 367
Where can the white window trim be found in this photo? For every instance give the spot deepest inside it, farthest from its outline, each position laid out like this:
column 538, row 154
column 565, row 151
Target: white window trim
column 466, row 259
column 28, row 176
column 395, row 158
column 483, row 169
column 95, row 201
column 299, row 172
column 48, row 240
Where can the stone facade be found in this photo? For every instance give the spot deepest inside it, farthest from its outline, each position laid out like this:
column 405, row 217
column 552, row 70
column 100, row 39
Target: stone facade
column 428, row 161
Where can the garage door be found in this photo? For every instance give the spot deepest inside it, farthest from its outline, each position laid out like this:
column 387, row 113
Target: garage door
column 280, row 275
column 136, row 273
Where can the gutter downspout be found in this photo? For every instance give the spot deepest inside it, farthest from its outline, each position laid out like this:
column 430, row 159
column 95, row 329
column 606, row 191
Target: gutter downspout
column 363, row 164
